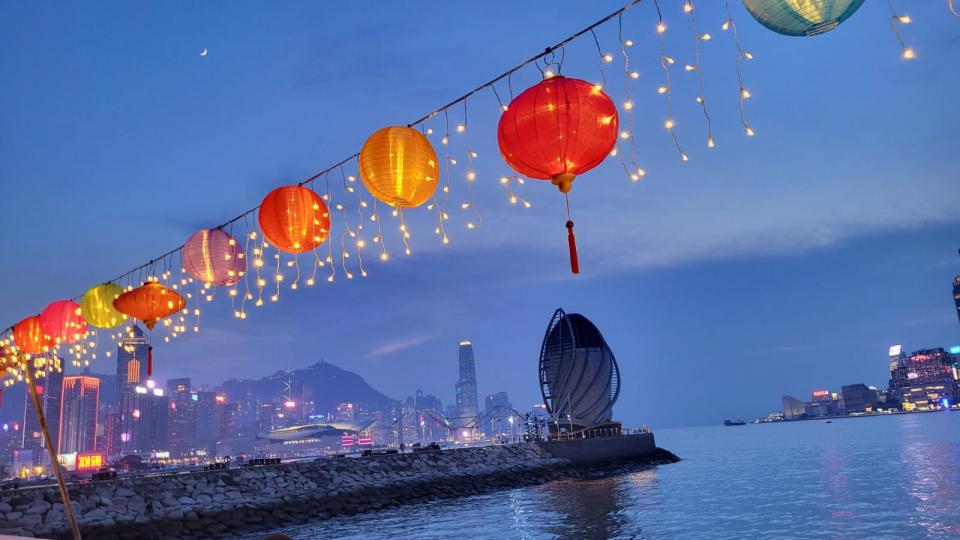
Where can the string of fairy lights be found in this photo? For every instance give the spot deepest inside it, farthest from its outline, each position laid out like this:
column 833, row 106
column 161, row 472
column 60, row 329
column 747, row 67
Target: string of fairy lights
column 267, row 271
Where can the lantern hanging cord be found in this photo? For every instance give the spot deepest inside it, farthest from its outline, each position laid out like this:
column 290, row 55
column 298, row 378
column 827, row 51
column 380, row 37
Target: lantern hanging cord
column 953, row 9
column 505, row 75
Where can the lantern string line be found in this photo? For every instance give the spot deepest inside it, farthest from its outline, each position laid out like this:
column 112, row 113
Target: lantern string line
column 741, row 55
column 330, row 260
column 908, row 52
column 667, row 87
column 141, row 269
column 698, row 67
column 470, row 175
column 953, row 9
column 635, row 172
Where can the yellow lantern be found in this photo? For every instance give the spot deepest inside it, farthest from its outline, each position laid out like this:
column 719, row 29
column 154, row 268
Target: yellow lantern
column 399, row 167
column 96, row 306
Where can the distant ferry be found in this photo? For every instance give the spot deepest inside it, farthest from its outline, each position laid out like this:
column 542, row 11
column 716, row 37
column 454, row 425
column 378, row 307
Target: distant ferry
column 738, row 422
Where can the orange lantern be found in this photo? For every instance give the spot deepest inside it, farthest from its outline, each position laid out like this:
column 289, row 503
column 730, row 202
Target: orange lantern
column 149, row 303
column 399, row 166
column 29, row 336
column 294, row 219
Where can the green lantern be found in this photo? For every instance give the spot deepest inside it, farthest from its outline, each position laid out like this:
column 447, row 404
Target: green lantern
column 801, row 17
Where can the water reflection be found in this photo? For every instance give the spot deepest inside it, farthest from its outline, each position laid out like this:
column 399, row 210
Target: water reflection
column 587, row 508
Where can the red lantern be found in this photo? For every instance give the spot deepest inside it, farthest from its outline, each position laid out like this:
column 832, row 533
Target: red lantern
column 63, row 321
column 29, row 336
column 149, row 303
column 294, row 219
column 556, row 130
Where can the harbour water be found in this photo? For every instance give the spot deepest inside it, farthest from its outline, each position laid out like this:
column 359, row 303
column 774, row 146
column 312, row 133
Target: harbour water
column 878, row 477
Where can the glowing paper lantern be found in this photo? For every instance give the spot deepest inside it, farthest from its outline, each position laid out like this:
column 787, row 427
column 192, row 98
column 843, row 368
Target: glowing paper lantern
column 149, row 303
column 801, row 17
column 29, row 337
column 294, row 219
column 213, row 256
column 399, row 167
column 63, row 322
column 556, row 130
column 96, row 306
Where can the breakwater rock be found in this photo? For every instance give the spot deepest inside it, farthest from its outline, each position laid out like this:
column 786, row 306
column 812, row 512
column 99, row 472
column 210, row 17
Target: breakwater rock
column 243, row 500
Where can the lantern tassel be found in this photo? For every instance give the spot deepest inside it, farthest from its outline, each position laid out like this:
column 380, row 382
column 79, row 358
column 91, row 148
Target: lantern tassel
column 572, row 243
column 150, row 361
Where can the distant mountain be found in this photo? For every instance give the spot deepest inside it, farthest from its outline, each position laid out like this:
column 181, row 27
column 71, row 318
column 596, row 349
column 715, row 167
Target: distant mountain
column 323, row 383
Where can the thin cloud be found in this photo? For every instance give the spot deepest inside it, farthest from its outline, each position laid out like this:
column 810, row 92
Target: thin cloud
column 391, row 347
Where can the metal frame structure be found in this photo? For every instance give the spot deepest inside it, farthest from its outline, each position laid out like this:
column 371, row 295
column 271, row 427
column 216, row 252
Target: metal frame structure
column 564, row 391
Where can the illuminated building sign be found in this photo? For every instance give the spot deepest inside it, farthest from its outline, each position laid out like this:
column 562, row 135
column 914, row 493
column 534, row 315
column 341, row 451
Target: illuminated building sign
column 821, row 394
column 89, row 461
column 365, row 442
column 955, row 349
column 221, row 399
column 895, row 350
column 346, row 440
column 290, row 404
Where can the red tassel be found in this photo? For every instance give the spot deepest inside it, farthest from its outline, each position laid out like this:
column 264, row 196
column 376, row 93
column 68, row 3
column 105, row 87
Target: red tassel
column 150, row 361
column 572, row 242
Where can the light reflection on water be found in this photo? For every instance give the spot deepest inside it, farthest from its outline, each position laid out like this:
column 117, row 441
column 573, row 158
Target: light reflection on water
column 888, row 477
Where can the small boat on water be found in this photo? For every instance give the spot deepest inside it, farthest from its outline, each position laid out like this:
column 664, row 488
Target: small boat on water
column 738, row 422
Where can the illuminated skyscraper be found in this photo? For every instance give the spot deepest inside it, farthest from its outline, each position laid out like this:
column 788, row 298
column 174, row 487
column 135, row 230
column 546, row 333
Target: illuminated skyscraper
column 182, row 423
column 147, row 420
column 924, row 380
column 49, row 388
column 466, row 387
column 956, row 293
column 78, row 416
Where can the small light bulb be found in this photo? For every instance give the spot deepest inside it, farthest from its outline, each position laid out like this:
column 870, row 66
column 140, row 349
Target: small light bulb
column 684, row 157
column 705, row 37
column 747, row 55
column 710, row 143
column 628, row 105
column 614, row 151
column 744, row 93
column 688, row 67
column 461, row 128
column 668, row 59
column 662, row 90
column 904, row 19
column 726, row 25
column 909, row 53
column 669, row 123
column 608, row 58
column 624, row 134
column 661, row 28
column 688, row 7
column 634, row 75
column 549, row 74
column 749, row 131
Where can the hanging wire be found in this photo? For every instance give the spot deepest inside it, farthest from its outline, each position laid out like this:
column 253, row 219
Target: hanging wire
column 665, row 62
column 895, row 20
column 698, row 67
column 953, row 9
column 635, row 172
column 742, row 55
column 139, row 270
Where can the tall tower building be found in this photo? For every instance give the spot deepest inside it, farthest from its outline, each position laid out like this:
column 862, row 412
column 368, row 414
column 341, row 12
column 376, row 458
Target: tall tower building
column 78, row 414
column 49, row 388
column 148, row 420
column 956, row 292
column 182, row 423
column 466, row 388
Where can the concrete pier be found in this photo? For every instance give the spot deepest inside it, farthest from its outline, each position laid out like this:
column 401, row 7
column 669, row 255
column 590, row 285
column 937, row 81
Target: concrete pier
column 237, row 501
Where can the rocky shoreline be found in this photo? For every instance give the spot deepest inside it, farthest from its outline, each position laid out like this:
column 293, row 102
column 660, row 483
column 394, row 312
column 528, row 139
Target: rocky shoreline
column 243, row 501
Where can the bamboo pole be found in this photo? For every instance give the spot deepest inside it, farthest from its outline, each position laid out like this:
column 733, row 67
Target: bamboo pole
column 54, row 462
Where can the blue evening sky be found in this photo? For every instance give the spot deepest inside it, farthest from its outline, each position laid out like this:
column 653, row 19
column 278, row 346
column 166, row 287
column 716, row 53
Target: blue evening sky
column 773, row 265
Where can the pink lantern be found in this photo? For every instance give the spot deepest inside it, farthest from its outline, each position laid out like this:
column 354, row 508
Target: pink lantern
column 213, row 256
column 63, row 322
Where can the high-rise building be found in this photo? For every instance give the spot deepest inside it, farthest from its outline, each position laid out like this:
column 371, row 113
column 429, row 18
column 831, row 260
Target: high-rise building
column 78, row 414
column 132, row 356
column 496, row 413
column 49, row 390
column 208, row 417
column 956, row 292
column 182, row 421
column 923, row 380
column 466, row 387
column 149, row 417
column 859, row 398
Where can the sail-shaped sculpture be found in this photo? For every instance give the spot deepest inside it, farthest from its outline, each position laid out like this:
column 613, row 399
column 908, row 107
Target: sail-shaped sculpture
column 579, row 377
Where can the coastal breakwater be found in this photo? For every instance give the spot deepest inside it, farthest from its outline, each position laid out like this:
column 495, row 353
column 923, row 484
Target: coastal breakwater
column 239, row 501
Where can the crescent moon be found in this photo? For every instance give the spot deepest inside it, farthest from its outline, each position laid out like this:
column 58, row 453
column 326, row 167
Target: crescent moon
column 203, row 52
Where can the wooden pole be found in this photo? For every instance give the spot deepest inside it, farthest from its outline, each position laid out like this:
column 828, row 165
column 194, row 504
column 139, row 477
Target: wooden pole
column 54, row 462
